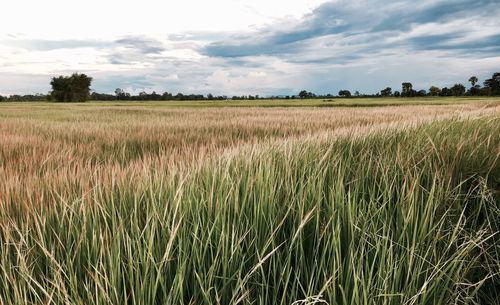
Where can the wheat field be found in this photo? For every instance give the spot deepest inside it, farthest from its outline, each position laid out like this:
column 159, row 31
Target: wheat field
column 159, row 204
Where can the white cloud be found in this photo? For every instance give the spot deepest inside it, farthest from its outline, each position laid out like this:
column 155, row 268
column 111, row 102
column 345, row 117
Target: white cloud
column 247, row 47
column 62, row 19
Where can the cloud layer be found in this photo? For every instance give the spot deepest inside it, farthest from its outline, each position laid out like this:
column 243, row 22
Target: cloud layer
column 357, row 45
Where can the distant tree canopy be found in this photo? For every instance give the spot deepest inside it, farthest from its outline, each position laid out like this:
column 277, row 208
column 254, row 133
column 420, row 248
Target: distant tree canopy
column 345, row 93
column 493, row 84
column 386, row 92
column 434, row 91
column 25, row 98
column 407, row 90
column 474, row 89
column 457, row 90
column 121, row 94
column 305, row 94
column 473, row 80
column 74, row 88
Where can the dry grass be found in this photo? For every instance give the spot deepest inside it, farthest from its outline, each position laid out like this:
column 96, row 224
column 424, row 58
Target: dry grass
column 48, row 154
column 144, row 204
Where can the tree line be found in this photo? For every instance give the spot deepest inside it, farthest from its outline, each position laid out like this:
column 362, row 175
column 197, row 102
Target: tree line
column 76, row 88
column 491, row 87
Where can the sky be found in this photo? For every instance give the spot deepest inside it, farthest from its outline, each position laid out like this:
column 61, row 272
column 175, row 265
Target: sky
column 240, row 47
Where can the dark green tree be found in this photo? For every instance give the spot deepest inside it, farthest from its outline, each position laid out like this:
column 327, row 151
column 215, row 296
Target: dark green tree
column 493, row 84
column 445, row 92
column 305, row 94
column 80, row 87
column 386, row 92
column 457, row 90
column 474, row 89
column 407, row 89
column 434, row 91
column 485, row 91
column 74, row 88
column 61, row 91
column 154, row 96
column 473, row 80
column 345, row 93
column 421, row 92
column 121, row 94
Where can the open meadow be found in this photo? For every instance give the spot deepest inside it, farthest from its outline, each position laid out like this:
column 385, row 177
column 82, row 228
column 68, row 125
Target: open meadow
column 349, row 201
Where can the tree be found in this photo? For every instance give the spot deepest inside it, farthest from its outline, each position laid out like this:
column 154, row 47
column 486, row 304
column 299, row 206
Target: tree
column 434, row 91
column 474, row 89
column 154, row 96
column 80, row 87
column 397, row 93
column 166, row 96
column 473, row 80
column 446, row 92
column 74, row 88
column 121, row 94
column 493, row 84
column 61, row 90
column 407, row 89
column 485, row 91
column 356, row 93
column 2, row 98
column 386, row 92
column 345, row 93
column 305, row 94
column 457, row 90
column 143, row 95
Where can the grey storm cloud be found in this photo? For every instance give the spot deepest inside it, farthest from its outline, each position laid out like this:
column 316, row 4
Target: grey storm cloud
column 486, row 45
column 142, row 44
column 345, row 19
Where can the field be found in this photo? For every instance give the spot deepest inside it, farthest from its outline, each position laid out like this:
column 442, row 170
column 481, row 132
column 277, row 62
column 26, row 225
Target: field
column 359, row 201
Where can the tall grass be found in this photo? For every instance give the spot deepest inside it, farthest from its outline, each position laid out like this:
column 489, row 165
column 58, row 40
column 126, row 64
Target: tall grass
column 47, row 152
column 398, row 216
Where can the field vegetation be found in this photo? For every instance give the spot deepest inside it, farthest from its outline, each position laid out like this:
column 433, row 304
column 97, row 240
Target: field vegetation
column 175, row 203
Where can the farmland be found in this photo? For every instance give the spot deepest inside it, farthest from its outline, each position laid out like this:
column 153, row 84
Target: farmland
column 348, row 201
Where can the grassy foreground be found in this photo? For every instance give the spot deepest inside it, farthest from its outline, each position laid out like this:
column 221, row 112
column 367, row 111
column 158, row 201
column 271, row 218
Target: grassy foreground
column 406, row 215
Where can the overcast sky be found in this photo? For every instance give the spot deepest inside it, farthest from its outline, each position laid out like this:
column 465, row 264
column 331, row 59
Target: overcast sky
column 247, row 46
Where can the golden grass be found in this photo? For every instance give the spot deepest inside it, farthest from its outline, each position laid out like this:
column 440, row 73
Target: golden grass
column 48, row 154
column 146, row 204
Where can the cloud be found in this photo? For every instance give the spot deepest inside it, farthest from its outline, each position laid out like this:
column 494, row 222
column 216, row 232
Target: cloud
column 361, row 45
column 142, row 44
column 47, row 45
column 331, row 24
